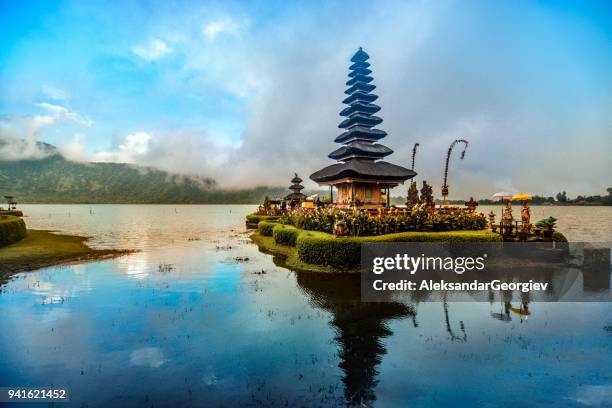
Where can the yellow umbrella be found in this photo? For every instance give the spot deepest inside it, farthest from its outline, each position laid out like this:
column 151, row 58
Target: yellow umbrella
column 522, row 197
column 521, row 311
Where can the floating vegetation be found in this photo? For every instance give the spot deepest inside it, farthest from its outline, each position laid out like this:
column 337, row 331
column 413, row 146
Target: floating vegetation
column 165, row 267
column 241, row 258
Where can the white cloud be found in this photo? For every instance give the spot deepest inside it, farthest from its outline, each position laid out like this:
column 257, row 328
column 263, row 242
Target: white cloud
column 60, row 113
column 56, row 93
column 223, row 26
column 129, row 150
column 74, row 149
column 152, row 51
column 19, row 135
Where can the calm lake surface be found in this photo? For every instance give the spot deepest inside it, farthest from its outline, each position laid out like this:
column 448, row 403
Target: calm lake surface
column 183, row 323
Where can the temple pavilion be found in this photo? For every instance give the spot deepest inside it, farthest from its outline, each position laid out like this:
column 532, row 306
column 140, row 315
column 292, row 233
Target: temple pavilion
column 296, row 197
column 360, row 176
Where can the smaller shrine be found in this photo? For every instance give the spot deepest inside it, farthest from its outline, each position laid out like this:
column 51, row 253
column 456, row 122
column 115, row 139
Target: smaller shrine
column 295, row 199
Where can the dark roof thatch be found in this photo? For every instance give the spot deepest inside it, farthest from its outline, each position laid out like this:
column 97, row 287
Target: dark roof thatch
column 360, row 133
column 359, row 65
column 360, row 71
column 360, row 149
column 360, row 120
column 360, row 86
column 360, row 56
column 362, row 169
column 360, row 96
column 360, row 107
column 359, row 78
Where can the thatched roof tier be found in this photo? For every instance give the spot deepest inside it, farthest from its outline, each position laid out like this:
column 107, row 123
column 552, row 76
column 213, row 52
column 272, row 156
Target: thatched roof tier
column 360, row 133
column 360, row 56
column 367, row 121
column 360, row 87
column 365, row 170
column 360, row 107
column 362, row 150
column 361, row 97
column 360, row 71
column 359, row 65
column 364, row 79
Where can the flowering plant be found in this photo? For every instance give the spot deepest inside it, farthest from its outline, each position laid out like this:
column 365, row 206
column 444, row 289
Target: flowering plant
column 363, row 223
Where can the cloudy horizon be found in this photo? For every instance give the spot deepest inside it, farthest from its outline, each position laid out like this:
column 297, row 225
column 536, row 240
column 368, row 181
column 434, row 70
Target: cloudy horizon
column 249, row 93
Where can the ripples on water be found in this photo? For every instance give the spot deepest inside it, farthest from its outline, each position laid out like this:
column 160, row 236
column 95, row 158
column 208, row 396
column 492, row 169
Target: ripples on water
column 183, row 323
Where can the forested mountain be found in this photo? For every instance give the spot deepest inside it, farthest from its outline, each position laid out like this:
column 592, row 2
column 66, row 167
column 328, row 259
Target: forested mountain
column 54, row 179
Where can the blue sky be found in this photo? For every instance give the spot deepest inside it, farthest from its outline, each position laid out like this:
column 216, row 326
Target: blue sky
column 248, row 92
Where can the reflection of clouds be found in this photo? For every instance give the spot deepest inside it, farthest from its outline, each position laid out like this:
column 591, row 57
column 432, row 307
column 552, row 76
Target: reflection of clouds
column 148, row 357
column 209, row 377
column 137, row 265
column 59, row 290
column 594, row 395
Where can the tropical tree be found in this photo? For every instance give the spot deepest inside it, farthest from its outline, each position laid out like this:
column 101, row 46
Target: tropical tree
column 413, row 195
column 562, row 197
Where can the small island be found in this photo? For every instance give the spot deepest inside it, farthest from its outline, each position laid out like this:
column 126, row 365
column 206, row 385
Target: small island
column 326, row 235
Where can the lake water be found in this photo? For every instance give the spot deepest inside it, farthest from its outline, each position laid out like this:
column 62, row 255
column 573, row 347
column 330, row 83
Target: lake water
column 182, row 323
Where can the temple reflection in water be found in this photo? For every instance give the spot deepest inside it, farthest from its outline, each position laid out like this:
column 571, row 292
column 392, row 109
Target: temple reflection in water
column 361, row 327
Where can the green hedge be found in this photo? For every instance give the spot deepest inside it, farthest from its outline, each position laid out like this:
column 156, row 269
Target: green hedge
column 265, row 228
column 345, row 253
column 17, row 213
column 12, row 229
column 252, row 220
column 323, row 249
column 285, row 234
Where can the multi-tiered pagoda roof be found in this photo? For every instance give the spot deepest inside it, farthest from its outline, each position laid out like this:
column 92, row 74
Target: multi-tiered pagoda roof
column 297, row 188
column 360, row 156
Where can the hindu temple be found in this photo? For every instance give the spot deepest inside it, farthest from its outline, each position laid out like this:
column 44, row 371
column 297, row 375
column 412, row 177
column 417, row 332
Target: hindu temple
column 296, row 197
column 361, row 177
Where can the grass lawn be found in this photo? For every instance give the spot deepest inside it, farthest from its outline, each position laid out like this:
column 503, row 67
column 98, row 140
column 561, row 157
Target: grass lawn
column 43, row 248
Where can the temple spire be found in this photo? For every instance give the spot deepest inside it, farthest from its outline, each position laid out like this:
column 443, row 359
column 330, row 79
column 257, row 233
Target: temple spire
column 362, row 178
column 360, row 136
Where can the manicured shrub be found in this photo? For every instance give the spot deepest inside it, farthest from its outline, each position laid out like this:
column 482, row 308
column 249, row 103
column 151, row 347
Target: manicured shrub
column 12, row 229
column 265, row 228
column 285, row 234
column 323, row 249
column 345, row 253
column 252, row 220
column 17, row 213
